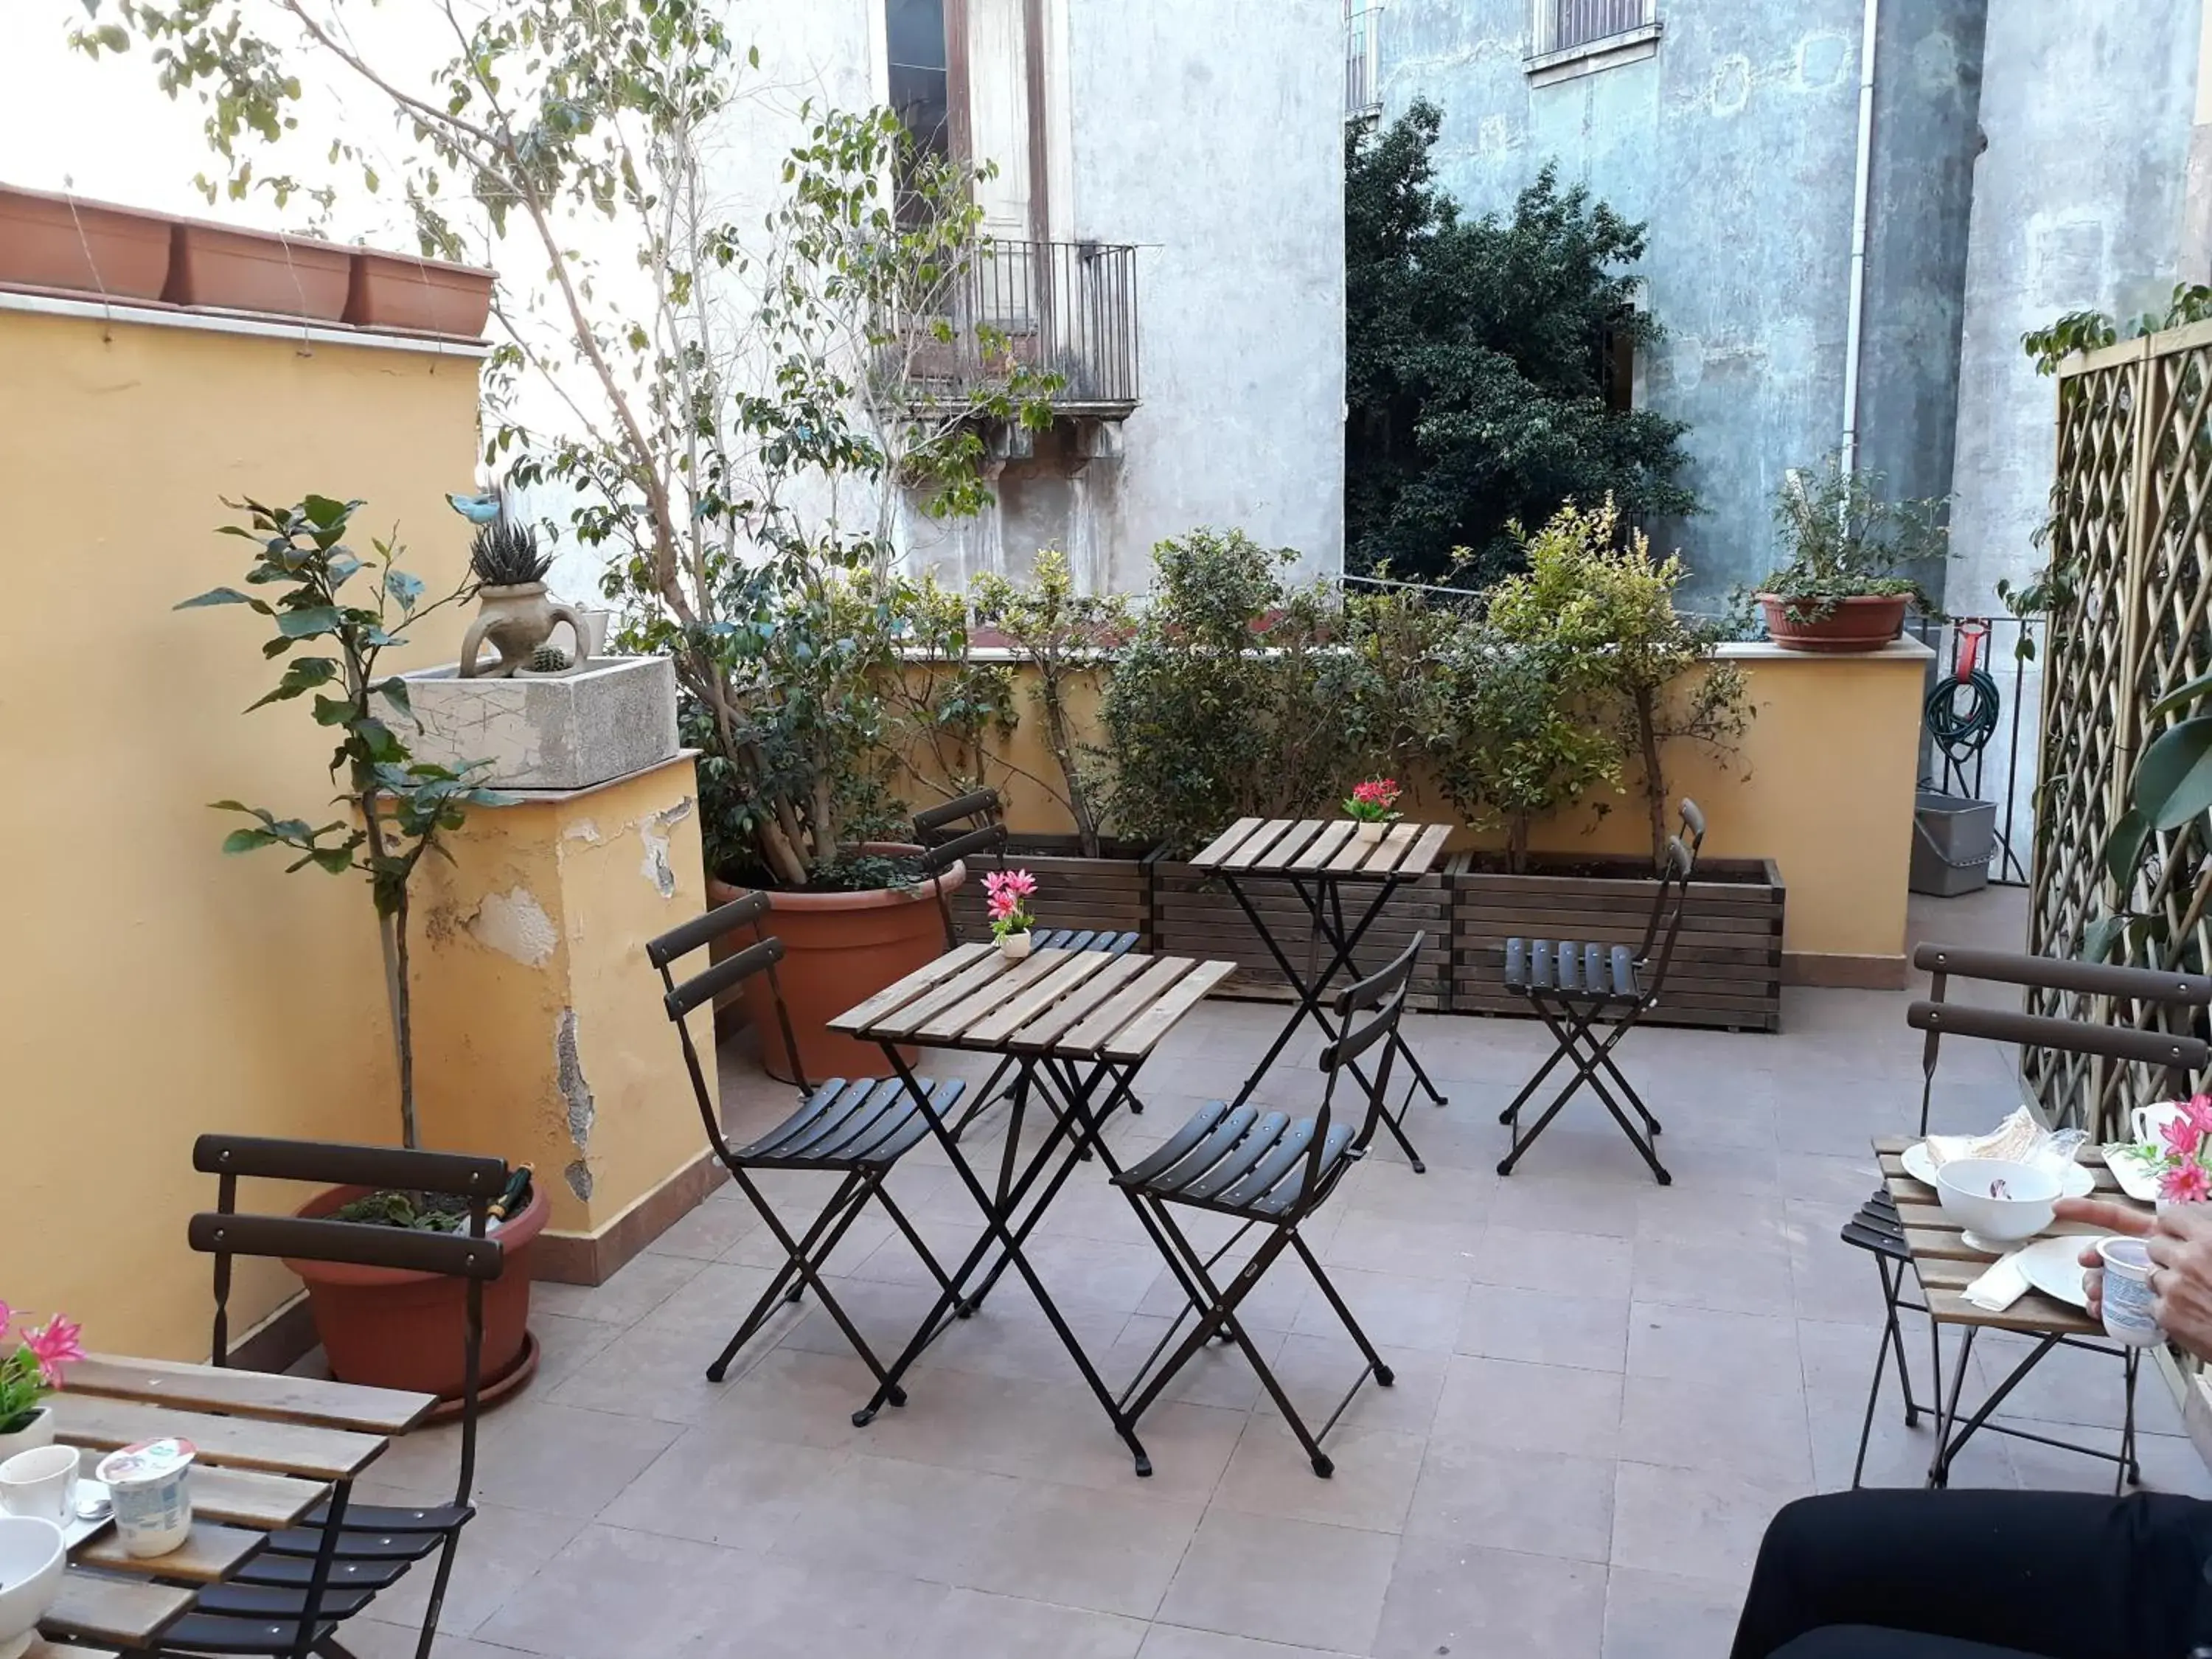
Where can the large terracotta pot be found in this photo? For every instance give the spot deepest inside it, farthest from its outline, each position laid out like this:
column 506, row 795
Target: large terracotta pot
column 393, row 1328
column 256, row 272
column 81, row 247
column 427, row 296
column 839, row 948
column 1866, row 621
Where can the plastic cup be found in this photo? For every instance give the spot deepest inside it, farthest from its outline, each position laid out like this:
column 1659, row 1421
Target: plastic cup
column 150, row 1483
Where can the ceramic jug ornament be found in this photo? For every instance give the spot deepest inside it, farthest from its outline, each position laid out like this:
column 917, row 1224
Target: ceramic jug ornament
column 514, row 612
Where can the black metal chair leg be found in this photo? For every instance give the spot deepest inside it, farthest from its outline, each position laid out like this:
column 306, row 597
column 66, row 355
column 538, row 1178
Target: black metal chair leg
column 1383, row 1375
column 839, row 1213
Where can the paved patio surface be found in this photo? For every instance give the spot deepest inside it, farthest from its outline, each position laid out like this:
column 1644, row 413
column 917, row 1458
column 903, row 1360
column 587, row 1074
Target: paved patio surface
column 1604, row 1390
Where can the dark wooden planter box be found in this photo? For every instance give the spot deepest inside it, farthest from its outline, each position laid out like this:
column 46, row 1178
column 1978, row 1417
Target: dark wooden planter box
column 1073, row 891
column 1727, row 968
column 1194, row 915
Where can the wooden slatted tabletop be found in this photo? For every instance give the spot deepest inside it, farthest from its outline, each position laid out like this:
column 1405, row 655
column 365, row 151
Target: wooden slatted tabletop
column 1946, row 1264
column 1073, row 1004
column 269, row 1448
column 1327, row 847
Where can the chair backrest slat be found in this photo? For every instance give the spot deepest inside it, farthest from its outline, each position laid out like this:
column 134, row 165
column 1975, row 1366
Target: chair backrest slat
column 682, row 941
column 455, row 1255
column 1382, row 998
column 454, row 1174
column 2072, row 1036
column 2065, row 974
column 971, row 804
column 982, row 809
column 730, row 970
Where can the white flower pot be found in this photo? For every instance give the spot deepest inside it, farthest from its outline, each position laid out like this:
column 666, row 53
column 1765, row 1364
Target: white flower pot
column 40, row 1432
column 1013, row 946
column 1365, row 830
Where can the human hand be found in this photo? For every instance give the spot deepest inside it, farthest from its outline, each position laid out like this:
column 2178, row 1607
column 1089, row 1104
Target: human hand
column 2109, row 1218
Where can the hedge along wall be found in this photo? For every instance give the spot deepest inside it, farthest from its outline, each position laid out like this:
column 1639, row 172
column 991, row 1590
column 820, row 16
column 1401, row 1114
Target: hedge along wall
column 1822, row 784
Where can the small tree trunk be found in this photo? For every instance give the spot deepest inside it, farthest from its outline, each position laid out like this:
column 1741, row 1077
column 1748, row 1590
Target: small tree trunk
column 1654, row 780
column 1063, row 751
column 403, row 1018
column 1517, row 844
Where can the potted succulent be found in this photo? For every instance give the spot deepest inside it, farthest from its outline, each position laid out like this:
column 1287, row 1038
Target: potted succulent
column 1372, row 807
column 514, row 612
column 1845, row 586
column 1008, row 895
column 30, row 1370
column 379, row 1326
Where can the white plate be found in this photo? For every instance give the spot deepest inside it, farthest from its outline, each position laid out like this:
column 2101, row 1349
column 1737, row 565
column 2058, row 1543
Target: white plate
column 2137, row 1179
column 2076, row 1182
column 2052, row 1266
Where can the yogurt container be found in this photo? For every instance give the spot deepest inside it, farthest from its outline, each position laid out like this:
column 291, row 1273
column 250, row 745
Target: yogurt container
column 150, row 1483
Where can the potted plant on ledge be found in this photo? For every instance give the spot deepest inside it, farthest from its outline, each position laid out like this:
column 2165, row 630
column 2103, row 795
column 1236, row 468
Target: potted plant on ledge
column 29, row 1373
column 379, row 1326
column 1845, row 587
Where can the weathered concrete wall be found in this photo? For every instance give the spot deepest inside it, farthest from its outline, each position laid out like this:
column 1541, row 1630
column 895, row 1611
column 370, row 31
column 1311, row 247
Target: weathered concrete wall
column 2079, row 203
column 1214, row 137
column 1736, row 142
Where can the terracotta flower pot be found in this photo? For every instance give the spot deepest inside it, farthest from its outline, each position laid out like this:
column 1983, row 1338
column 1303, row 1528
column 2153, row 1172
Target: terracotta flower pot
column 516, row 620
column 1866, row 621
column 256, row 272
column 393, row 1328
column 839, row 948
column 427, row 296
column 58, row 242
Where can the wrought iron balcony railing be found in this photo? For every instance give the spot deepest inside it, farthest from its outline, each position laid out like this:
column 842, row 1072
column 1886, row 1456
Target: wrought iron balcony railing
column 1066, row 309
column 1564, row 24
column 1363, row 82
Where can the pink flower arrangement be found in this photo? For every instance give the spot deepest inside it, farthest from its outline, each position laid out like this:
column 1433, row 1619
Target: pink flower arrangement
column 34, row 1367
column 2182, row 1154
column 1374, row 801
column 1005, row 896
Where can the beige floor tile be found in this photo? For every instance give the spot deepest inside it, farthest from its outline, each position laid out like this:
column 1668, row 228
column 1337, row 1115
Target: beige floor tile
column 1755, row 1427
column 1507, row 1406
column 1179, row 1642
column 1371, row 1488
column 1280, row 1580
column 971, row 1625
column 1448, row 1250
column 643, row 1284
column 1743, row 1350
column 1315, row 1371
column 1544, row 1259
column 1537, row 1503
column 1447, row 1595
column 1103, row 1551
column 1652, row 1615
column 1396, row 1309
column 535, row 1454
column 1692, row 1523
column 715, row 1487
column 1547, row 1328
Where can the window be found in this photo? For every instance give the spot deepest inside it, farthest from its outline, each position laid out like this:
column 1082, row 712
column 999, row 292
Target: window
column 1362, row 94
column 920, row 75
column 1571, row 38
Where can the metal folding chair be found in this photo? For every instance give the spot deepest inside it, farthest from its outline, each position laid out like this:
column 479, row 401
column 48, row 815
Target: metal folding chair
column 857, row 1128
column 1268, row 1170
column 988, row 833
column 1878, row 1229
column 1574, row 988
column 309, row 1578
column 2179, row 1056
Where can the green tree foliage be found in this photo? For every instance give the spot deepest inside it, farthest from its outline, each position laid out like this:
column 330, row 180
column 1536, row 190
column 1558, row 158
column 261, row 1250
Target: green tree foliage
column 1473, row 362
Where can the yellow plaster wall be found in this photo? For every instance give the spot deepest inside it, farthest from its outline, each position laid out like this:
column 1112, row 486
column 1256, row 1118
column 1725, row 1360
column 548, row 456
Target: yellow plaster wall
column 542, row 916
column 153, row 989
column 1822, row 784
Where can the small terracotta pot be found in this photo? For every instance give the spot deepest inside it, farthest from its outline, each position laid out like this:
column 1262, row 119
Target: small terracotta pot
column 424, row 296
column 59, row 242
column 393, row 1328
column 1866, row 621
column 255, row 271
column 839, row 948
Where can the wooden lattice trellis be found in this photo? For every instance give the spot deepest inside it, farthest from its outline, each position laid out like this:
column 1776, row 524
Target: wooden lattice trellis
column 2134, row 483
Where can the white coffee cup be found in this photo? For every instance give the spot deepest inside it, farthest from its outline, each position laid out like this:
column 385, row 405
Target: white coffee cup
column 150, row 1483
column 2127, row 1296
column 41, row 1483
column 2148, row 1121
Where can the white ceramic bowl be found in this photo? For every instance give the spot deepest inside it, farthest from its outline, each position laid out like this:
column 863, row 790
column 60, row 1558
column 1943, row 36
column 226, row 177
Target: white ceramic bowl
column 1963, row 1186
column 32, row 1557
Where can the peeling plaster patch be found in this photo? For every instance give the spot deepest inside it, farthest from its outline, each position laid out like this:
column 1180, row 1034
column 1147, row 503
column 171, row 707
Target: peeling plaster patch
column 568, row 1073
column 654, row 832
column 515, row 924
column 1730, row 88
column 583, row 830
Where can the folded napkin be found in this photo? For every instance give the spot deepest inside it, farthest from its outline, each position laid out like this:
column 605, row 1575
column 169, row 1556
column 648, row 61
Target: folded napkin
column 2002, row 1284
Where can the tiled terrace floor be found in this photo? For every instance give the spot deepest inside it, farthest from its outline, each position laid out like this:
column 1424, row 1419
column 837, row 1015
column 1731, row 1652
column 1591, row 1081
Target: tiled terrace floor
column 1604, row 1389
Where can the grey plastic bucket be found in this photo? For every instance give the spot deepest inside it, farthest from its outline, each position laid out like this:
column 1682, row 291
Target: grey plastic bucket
column 1953, row 838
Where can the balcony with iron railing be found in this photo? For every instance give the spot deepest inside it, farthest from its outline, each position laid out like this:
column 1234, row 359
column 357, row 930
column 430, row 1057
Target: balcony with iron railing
column 1064, row 308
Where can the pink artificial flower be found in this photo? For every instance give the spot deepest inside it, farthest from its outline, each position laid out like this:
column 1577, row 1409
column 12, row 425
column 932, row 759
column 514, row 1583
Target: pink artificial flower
column 2182, row 1137
column 1377, row 791
column 999, row 905
column 1018, row 883
column 2185, row 1183
column 56, row 1343
column 7, row 1318
column 2198, row 1110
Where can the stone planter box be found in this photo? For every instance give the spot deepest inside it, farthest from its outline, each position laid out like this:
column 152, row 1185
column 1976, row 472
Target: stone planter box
column 613, row 716
column 1108, row 894
column 1194, row 915
column 1727, row 969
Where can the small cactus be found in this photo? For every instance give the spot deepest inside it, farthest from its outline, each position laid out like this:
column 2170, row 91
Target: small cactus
column 549, row 660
